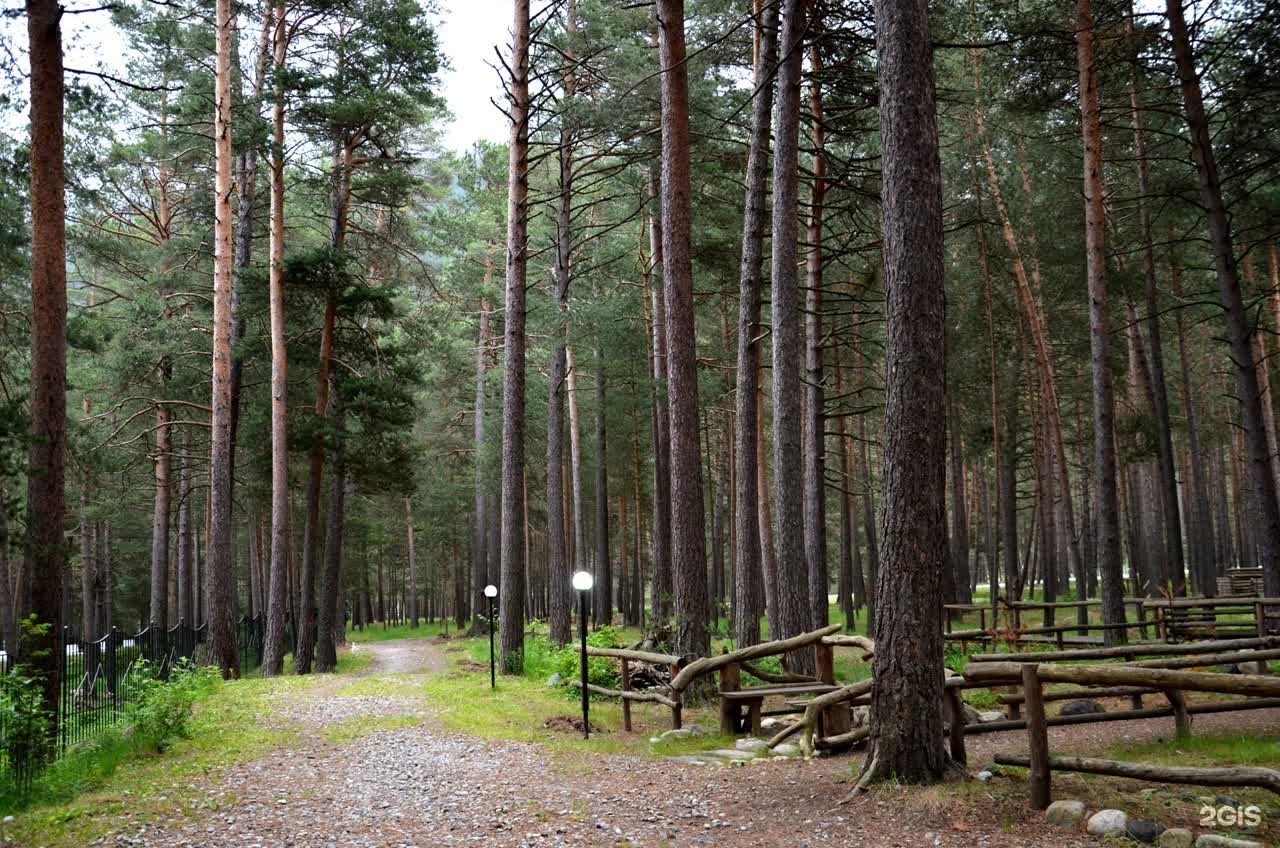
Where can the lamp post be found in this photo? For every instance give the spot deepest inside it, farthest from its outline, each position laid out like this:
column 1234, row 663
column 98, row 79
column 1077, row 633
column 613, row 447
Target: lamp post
column 491, row 592
column 582, row 582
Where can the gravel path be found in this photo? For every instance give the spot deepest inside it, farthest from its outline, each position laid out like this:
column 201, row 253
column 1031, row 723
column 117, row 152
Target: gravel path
column 423, row 786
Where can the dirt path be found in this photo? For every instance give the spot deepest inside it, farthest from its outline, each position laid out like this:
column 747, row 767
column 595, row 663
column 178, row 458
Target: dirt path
column 424, row 786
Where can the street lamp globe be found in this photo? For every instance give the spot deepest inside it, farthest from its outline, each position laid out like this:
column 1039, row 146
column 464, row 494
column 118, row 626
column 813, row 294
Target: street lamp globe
column 582, row 580
column 491, row 591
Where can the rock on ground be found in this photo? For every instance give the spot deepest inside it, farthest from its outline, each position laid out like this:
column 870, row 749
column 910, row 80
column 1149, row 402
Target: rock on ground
column 1065, row 813
column 1214, row 840
column 1107, row 823
column 1175, row 837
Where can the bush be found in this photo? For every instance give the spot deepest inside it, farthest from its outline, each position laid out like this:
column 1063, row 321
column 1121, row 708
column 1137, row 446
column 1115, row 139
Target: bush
column 162, row 708
column 26, row 741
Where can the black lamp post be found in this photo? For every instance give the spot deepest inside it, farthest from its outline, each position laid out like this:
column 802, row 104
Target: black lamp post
column 582, row 582
column 491, row 592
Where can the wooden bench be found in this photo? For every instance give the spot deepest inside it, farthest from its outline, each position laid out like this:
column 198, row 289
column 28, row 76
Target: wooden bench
column 734, row 698
column 752, row 698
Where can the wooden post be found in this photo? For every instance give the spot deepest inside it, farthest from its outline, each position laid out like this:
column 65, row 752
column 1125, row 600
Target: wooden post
column 730, row 681
column 626, row 703
column 1181, row 718
column 835, row 719
column 675, row 696
column 1142, row 617
column 982, row 618
column 1136, row 698
column 1037, row 737
column 1012, row 708
column 1260, row 618
column 1162, row 628
column 956, row 732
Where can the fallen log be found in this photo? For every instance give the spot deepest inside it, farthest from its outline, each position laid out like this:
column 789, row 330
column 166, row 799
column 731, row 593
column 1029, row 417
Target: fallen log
column 1231, row 658
column 1255, row 776
column 634, row 655
column 651, row 697
column 706, row 665
column 843, row 740
column 1153, row 649
column 1127, row 675
column 1201, row 708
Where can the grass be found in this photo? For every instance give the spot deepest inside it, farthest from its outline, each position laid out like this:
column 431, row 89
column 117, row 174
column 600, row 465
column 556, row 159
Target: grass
column 87, row 793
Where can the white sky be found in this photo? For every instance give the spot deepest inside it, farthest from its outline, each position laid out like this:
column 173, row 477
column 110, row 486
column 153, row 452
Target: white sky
column 469, row 30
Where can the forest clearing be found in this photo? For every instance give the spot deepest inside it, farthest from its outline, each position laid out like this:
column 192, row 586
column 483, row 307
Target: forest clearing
column 681, row 422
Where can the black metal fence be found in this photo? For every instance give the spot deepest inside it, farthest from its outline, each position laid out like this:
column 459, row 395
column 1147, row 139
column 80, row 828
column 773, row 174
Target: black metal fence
column 101, row 677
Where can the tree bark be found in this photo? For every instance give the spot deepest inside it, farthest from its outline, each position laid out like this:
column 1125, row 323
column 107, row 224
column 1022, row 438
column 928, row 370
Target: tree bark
column 1238, row 326
column 906, row 718
column 793, row 590
column 1104, row 452
column 662, row 575
column 815, row 442
column 221, row 557
column 479, row 535
column 186, row 550
column 512, row 588
column 274, row 642
column 688, row 525
column 413, row 563
column 603, row 594
column 329, row 616
column 748, row 584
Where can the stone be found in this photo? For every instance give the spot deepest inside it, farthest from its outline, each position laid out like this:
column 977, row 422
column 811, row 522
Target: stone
column 858, row 716
column 751, row 744
column 1083, row 706
column 1143, row 830
column 1175, row 837
column 787, row 749
column 1228, row 801
column 1107, row 823
column 554, row 680
column 732, row 754
column 1063, row 813
column 988, row 716
column 1214, row 840
column 971, row 716
column 770, row 723
column 680, row 733
column 984, row 776
column 697, row 730
column 697, row 760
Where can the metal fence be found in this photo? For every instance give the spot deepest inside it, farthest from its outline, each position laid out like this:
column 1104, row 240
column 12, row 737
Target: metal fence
column 101, row 677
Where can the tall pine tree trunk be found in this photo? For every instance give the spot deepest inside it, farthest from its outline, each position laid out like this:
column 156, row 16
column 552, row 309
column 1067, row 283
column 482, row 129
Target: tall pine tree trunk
column 221, row 555
column 815, row 443
column 274, row 646
column 1238, row 325
column 688, row 526
column 748, row 586
column 793, row 592
column 1104, row 452
column 481, row 517
column 512, row 588
column 906, row 718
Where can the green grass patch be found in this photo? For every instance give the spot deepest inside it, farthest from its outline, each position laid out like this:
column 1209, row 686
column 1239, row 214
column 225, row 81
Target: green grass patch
column 1210, row 749
column 86, row 794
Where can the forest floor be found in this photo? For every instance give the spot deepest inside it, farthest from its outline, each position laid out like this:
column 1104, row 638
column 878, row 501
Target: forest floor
column 377, row 758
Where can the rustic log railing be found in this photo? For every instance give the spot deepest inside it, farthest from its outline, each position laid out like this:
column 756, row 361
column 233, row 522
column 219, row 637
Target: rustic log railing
column 685, row 672
column 1262, row 691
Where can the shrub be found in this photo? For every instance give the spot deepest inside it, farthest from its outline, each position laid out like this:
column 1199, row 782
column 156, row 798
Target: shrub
column 162, row 709
column 26, row 740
